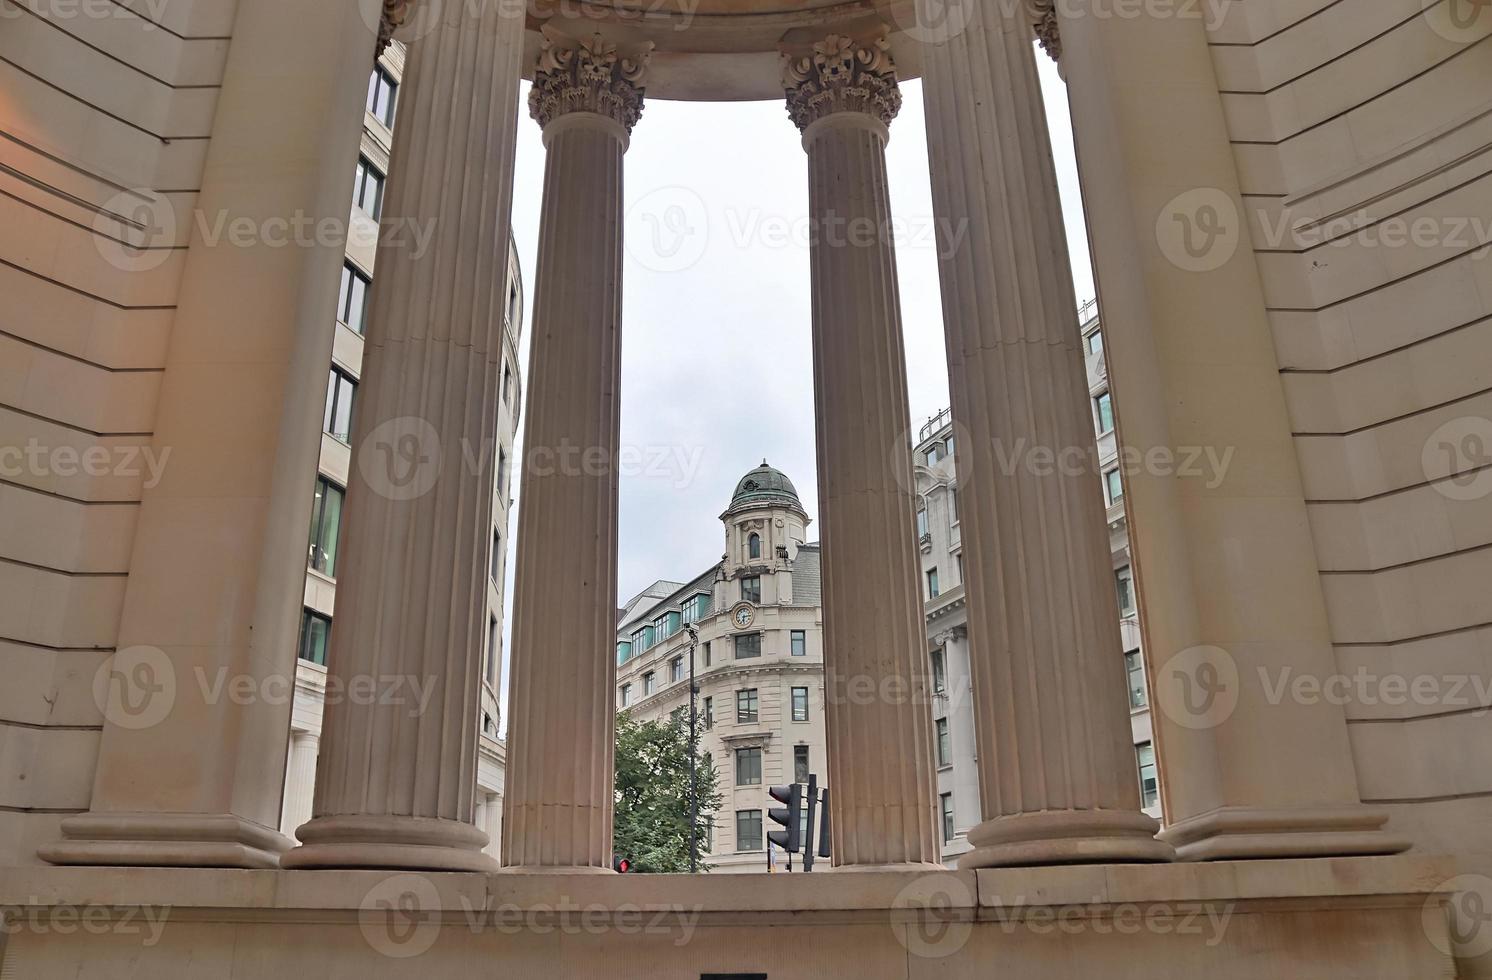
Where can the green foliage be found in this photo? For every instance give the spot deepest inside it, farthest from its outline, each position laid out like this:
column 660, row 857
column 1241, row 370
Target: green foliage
column 651, row 821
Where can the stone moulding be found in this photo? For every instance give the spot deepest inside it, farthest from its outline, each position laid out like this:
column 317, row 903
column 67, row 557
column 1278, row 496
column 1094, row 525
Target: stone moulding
column 841, row 75
column 395, row 12
column 587, row 75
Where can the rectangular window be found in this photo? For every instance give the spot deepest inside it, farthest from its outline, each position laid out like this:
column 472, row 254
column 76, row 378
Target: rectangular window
column 800, row 765
column 1103, row 413
column 1149, row 781
column 696, row 607
column 751, row 588
column 1134, row 666
column 921, row 522
column 953, row 505
column 315, row 632
column 707, row 653
column 709, row 714
column 945, row 805
column 648, row 636
column 367, row 188
column 1124, row 582
column 799, row 641
column 494, row 651
column 1113, row 485
column 939, row 671
column 748, row 645
column 1095, row 342
column 675, row 670
column 934, row 453
column 649, row 683
column 507, row 382
column 932, row 583
column 945, row 743
column 352, row 300
column 326, row 526
column 502, row 472
column 626, row 695
column 746, row 706
column 340, row 390
column 383, row 93
column 497, row 555
column 748, row 830
column 800, row 704
column 623, row 651
column 748, row 767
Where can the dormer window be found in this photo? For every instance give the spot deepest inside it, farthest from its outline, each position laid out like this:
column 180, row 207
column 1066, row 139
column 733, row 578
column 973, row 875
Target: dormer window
column 754, row 545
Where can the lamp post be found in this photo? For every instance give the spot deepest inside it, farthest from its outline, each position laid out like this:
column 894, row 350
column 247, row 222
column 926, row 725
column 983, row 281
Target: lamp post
column 693, row 751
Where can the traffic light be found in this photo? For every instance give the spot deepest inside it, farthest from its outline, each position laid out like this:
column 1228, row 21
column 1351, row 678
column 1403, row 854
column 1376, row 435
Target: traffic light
column 620, row 865
column 788, row 817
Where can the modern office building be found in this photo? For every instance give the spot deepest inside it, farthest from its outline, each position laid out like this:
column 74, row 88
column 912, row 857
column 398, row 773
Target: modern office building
column 759, row 660
column 939, row 537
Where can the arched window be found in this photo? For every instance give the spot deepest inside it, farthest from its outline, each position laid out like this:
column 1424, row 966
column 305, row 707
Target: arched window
column 754, row 545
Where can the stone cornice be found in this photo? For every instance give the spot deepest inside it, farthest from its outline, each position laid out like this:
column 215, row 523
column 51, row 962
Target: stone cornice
column 1044, row 22
column 841, row 75
column 394, row 14
column 587, row 75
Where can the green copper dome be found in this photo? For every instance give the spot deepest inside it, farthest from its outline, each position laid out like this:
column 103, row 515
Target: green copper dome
column 765, row 485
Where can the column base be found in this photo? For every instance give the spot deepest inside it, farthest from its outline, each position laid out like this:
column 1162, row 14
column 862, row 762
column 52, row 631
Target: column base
column 554, row 869
column 389, row 842
column 176, row 840
column 1250, row 832
column 1066, row 837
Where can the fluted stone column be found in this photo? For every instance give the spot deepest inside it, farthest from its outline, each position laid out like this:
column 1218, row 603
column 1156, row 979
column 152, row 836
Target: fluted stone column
column 558, row 789
column 300, row 780
column 397, row 773
column 1056, row 758
column 843, row 95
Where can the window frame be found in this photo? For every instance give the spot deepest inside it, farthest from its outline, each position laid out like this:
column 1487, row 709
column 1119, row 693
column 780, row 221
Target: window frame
column 797, row 643
column 944, row 742
column 381, row 79
column 751, row 816
column 736, row 641
column 793, row 699
column 341, row 388
column 368, row 173
column 753, row 594
column 352, row 275
column 307, row 618
column 748, row 706
column 745, row 772
column 316, row 557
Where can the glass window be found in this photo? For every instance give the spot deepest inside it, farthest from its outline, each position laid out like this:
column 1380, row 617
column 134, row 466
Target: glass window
column 494, row 650
column 340, row 390
column 934, row 453
column 326, row 526
column 953, row 505
column 754, row 546
column 352, row 301
column 649, row 683
column 367, row 188
column 746, row 706
column 707, row 653
column 497, row 555
column 932, row 583
column 939, row 671
column 648, row 636
column 1134, row 666
column 748, row 830
column 1125, row 584
column 1095, row 342
column 626, row 694
column 383, row 93
column 1149, row 781
column 1103, row 413
column 507, row 381
column 709, row 714
column 623, row 651
column 921, row 522
column 800, row 765
column 1113, row 485
column 315, row 633
column 949, row 451
column 502, row 471
column 800, row 704
column 751, row 588
column 748, row 645
column 696, row 607
column 799, row 643
column 945, row 804
column 945, row 743
column 748, row 767
column 675, row 670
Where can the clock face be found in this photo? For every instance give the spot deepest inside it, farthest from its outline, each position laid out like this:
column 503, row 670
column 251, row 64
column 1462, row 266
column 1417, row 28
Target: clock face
column 742, row 616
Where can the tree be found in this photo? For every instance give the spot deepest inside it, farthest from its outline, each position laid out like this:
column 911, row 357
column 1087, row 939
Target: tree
column 651, row 819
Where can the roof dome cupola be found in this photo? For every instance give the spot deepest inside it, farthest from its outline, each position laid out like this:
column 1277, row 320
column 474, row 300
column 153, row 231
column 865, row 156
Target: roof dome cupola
column 765, row 486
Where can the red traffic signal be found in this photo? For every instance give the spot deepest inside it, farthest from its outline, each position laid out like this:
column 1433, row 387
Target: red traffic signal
column 621, row 865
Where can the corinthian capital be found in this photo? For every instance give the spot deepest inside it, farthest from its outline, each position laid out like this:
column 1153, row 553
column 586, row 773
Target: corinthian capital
column 841, row 75
column 587, row 75
column 1044, row 22
column 392, row 18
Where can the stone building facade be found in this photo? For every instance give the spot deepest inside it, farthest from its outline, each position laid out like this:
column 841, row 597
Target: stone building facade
column 759, row 661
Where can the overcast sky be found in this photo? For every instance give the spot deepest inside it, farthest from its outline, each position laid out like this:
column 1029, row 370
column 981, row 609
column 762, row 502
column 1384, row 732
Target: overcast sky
column 716, row 346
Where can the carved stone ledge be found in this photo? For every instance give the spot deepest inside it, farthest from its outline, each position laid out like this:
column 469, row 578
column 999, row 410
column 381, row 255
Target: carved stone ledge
column 587, row 75
column 841, row 75
column 395, row 12
column 1044, row 22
